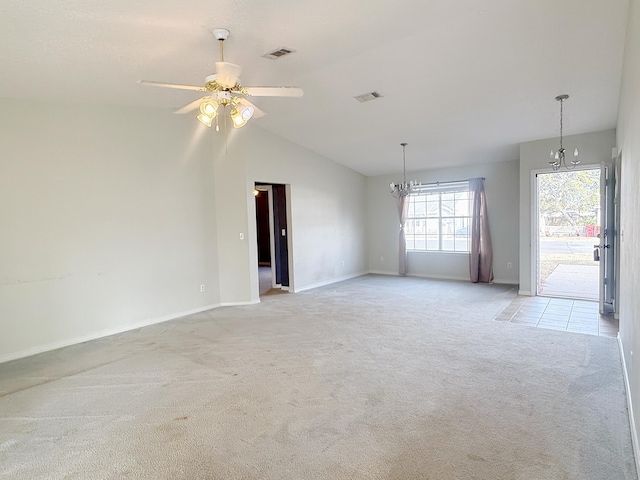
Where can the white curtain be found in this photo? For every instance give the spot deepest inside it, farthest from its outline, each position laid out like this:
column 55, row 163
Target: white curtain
column 402, row 248
column 481, row 254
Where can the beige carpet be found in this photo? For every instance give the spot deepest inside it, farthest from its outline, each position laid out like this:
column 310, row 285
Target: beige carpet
column 373, row 378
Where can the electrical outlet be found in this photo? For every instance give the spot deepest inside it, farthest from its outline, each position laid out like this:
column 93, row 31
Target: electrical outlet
column 202, row 288
column 509, row 265
column 381, row 259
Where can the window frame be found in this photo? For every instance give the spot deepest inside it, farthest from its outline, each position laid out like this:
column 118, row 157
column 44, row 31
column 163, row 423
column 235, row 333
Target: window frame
column 414, row 223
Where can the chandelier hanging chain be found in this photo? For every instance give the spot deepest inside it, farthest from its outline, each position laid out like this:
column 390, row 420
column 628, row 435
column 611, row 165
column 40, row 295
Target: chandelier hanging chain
column 561, row 122
column 558, row 158
column 404, row 163
column 404, row 188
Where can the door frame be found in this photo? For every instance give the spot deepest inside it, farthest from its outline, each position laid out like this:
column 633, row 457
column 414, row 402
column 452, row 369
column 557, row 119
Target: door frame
column 258, row 184
column 535, row 221
column 617, row 168
column 608, row 239
column 269, row 189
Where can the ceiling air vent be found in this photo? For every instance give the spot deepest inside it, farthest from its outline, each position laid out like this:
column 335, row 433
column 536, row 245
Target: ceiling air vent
column 280, row 52
column 365, row 97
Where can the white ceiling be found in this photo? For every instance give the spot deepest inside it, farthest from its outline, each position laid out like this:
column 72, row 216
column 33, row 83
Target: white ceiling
column 463, row 81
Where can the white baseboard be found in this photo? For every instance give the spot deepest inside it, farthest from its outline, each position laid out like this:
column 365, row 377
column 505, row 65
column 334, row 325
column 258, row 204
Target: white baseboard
column 239, row 304
column 421, row 275
column 457, row 278
column 440, row 277
column 632, row 423
column 100, row 334
column 383, row 272
column 505, row 282
column 329, row 282
column 524, row 292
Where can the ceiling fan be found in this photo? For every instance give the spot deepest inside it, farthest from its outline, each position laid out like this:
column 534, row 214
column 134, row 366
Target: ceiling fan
column 224, row 90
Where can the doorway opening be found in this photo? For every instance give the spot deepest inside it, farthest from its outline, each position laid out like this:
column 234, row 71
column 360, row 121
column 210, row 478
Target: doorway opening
column 272, row 238
column 569, row 224
column 574, row 244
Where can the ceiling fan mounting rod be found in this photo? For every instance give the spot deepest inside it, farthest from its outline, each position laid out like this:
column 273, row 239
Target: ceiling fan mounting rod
column 221, row 35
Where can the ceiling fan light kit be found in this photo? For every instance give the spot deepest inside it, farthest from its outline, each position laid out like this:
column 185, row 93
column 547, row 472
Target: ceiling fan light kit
column 241, row 115
column 224, row 90
column 208, row 111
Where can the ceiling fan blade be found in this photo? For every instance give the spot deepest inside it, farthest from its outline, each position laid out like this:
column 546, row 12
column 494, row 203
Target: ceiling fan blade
column 274, row 91
column 257, row 113
column 227, row 73
column 190, row 106
column 172, row 85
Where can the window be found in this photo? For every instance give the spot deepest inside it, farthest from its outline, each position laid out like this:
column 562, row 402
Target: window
column 438, row 218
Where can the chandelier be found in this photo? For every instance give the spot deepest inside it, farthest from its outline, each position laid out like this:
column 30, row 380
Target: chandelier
column 405, row 188
column 558, row 158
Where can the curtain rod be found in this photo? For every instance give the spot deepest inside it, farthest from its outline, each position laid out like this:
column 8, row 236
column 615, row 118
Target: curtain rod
column 448, row 182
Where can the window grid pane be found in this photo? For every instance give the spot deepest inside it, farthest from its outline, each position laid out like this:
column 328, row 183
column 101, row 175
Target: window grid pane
column 438, row 221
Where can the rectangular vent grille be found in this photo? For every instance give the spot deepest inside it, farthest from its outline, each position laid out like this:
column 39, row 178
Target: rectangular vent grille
column 280, row 52
column 366, row 97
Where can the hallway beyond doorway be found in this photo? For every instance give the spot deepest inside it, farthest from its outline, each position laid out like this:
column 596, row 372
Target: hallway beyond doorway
column 264, row 278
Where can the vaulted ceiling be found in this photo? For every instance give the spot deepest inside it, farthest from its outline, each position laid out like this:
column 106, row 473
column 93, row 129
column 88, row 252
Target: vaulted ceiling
column 461, row 81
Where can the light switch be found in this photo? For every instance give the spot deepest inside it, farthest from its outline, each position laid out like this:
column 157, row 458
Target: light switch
column 284, row 233
column 242, row 236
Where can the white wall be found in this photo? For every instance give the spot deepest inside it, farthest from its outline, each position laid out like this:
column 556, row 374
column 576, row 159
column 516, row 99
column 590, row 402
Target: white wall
column 328, row 213
column 112, row 224
column 104, row 222
column 501, row 188
column 594, row 148
column 629, row 144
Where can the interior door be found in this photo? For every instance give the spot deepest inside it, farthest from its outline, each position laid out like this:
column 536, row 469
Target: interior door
column 281, row 232
column 605, row 248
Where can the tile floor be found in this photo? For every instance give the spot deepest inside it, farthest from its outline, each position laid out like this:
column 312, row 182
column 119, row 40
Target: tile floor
column 578, row 316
